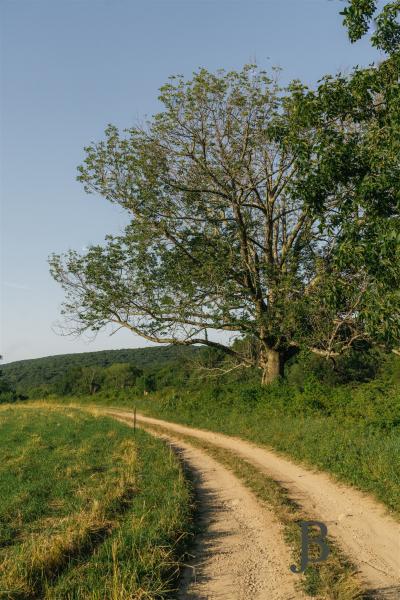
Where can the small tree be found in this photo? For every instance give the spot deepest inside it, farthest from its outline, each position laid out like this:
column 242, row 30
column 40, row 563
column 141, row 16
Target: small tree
column 245, row 206
column 7, row 390
column 68, row 381
column 91, row 380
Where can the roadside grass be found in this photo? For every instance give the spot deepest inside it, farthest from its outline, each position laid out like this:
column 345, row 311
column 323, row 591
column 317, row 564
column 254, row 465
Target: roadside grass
column 357, row 438
column 333, row 579
column 87, row 509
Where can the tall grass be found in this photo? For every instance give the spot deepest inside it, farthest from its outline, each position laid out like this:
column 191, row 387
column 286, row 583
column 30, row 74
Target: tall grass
column 87, row 510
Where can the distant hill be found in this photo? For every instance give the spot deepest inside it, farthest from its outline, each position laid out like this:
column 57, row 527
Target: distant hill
column 38, row 371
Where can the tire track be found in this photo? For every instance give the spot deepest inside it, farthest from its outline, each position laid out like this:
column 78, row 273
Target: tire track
column 239, row 553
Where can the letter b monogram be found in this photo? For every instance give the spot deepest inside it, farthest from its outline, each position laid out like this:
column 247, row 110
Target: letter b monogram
column 306, row 540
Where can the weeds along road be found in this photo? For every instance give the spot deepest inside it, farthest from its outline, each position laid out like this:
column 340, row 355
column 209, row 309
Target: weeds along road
column 239, row 552
column 362, row 527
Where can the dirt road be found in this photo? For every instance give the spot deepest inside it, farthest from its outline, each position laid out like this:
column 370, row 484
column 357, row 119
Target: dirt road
column 240, row 552
column 361, row 525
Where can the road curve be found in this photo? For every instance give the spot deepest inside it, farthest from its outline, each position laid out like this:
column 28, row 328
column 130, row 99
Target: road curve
column 239, row 552
column 362, row 526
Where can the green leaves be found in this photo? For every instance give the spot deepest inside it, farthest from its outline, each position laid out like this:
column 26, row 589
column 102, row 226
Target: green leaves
column 358, row 16
column 387, row 34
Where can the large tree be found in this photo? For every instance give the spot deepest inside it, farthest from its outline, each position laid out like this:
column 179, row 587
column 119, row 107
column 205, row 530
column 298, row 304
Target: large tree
column 246, row 215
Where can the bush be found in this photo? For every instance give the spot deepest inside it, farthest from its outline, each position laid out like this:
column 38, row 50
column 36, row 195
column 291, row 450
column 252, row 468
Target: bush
column 7, row 390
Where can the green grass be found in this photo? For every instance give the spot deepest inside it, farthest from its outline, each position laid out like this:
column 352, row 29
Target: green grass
column 87, row 509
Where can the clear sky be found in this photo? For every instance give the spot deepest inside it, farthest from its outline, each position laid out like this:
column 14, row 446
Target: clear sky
column 70, row 67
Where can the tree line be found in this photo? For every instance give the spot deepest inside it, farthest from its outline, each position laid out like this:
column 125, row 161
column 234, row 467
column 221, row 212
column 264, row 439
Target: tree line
column 87, row 372
column 191, row 372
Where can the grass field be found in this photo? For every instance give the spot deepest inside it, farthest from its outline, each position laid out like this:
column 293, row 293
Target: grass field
column 87, row 509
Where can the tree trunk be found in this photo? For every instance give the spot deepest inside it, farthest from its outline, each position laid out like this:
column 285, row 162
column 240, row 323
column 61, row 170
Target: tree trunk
column 272, row 366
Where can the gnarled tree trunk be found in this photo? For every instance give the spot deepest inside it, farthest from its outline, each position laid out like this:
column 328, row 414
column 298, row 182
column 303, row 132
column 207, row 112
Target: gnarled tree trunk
column 271, row 363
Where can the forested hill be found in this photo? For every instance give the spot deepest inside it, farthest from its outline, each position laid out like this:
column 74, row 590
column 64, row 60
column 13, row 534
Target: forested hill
column 47, row 370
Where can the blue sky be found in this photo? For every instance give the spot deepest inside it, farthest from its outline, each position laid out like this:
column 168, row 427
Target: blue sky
column 68, row 68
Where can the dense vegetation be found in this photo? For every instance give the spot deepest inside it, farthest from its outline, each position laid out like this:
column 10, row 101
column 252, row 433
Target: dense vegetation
column 87, row 510
column 82, row 372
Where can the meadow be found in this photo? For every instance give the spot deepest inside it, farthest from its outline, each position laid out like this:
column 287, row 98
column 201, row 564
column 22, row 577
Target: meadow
column 88, row 509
